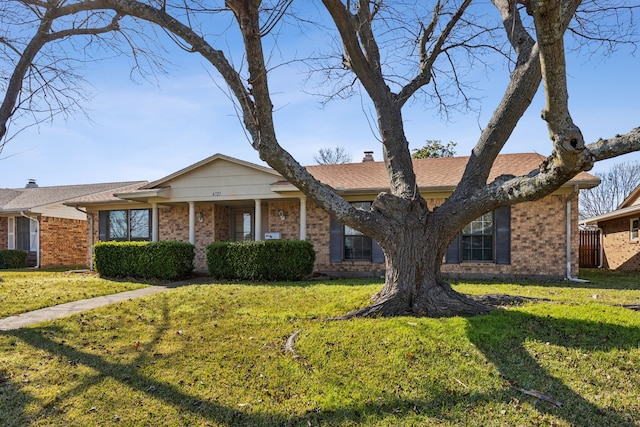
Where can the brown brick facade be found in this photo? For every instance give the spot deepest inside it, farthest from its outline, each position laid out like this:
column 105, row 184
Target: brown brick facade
column 63, row 242
column 289, row 228
column 620, row 253
column 538, row 240
column 4, row 233
column 173, row 224
column 538, row 243
column 538, row 237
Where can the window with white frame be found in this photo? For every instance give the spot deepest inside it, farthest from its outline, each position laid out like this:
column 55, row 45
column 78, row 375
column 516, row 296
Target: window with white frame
column 633, row 229
column 477, row 239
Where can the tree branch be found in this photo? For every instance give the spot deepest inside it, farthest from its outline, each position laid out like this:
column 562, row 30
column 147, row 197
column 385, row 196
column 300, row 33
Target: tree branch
column 366, row 67
column 7, row 109
column 427, row 60
column 565, row 134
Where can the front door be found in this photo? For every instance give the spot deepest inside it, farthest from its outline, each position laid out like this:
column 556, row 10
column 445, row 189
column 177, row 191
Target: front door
column 243, row 225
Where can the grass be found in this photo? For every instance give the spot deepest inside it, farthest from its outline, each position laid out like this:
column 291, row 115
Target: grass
column 212, row 355
column 27, row 290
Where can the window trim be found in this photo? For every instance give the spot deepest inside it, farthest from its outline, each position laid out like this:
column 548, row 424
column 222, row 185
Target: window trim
column 11, row 232
column 635, row 230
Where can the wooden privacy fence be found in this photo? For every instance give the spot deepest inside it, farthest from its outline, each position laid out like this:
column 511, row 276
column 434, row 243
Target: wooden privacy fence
column 589, row 248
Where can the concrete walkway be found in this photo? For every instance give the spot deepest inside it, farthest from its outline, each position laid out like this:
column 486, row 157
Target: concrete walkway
column 61, row 310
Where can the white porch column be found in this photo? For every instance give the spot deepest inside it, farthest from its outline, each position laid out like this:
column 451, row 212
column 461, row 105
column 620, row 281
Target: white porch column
column 154, row 222
column 258, row 221
column 303, row 218
column 192, row 223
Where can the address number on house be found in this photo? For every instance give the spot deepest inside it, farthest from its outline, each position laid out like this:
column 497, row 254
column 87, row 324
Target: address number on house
column 217, row 193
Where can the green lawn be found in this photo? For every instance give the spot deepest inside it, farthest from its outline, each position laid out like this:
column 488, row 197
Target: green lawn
column 27, row 290
column 212, row 355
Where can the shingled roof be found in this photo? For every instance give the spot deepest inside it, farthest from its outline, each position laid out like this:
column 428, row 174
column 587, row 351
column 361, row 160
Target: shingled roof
column 24, row 199
column 431, row 174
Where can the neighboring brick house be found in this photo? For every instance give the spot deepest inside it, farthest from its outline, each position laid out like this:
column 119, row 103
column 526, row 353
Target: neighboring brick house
column 619, row 240
column 225, row 199
column 34, row 219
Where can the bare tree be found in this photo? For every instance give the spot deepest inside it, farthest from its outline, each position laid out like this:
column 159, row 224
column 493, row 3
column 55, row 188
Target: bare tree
column 615, row 186
column 332, row 156
column 395, row 53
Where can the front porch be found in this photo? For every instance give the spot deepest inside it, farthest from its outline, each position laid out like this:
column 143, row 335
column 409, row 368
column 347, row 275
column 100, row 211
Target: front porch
column 201, row 223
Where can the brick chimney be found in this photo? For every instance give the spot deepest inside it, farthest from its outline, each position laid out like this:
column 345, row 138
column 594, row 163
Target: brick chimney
column 31, row 183
column 368, row 156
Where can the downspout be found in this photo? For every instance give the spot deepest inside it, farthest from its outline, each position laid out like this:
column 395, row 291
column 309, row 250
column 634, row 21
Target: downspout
column 37, row 236
column 601, row 238
column 568, row 255
column 90, row 249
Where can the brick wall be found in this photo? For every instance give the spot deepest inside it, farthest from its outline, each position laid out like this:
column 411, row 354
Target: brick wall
column 619, row 252
column 538, row 240
column 538, row 237
column 4, row 233
column 173, row 224
column 63, row 242
column 289, row 228
column 538, row 243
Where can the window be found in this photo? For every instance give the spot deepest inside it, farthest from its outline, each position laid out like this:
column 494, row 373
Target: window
column 23, row 233
column 477, row 239
column 486, row 239
column 127, row 225
column 633, row 235
column 357, row 246
column 347, row 244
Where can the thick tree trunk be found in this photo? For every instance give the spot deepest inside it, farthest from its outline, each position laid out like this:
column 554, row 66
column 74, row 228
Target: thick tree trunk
column 413, row 282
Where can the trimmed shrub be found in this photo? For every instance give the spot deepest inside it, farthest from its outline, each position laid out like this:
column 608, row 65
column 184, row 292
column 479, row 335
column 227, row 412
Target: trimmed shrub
column 13, row 258
column 218, row 261
column 167, row 260
column 266, row 260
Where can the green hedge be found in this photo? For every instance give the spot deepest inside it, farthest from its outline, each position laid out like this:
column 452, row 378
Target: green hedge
column 265, row 260
column 168, row 260
column 13, row 258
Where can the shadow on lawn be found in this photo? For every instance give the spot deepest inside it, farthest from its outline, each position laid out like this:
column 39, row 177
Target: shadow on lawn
column 500, row 336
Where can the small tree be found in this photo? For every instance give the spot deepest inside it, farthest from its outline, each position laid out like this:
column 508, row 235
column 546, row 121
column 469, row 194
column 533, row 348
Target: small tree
column 332, row 156
column 615, row 186
column 433, row 149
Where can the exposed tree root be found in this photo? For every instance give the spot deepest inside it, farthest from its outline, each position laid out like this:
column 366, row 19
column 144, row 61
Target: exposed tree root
column 289, row 345
column 455, row 304
column 503, row 300
column 382, row 308
column 442, row 301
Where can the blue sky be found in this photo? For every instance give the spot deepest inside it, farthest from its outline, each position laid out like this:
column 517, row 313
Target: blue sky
column 145, row 131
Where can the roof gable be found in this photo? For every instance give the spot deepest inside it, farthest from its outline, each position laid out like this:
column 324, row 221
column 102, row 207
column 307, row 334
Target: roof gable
column 204, row 164
column 631, row 200
column 215, row 178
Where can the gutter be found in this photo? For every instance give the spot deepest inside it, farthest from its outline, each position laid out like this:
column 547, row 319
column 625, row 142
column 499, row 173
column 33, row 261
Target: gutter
column 568, row 254
column 90, row 217
column 37, row 236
